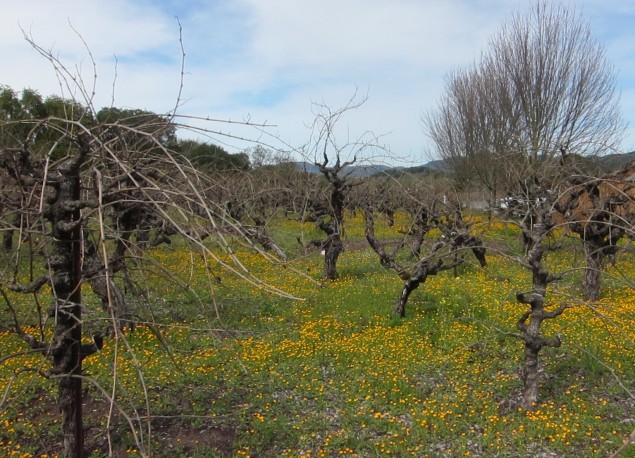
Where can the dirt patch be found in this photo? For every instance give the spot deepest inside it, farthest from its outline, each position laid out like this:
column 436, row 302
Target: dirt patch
column 181, row 436
column 178, row 435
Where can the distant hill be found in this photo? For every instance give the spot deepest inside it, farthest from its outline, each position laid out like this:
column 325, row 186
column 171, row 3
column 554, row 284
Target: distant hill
column 613, row 162
column 608, row 163
column 438, row 165
column 307, row 167
column 362, row 171
column 435, row 167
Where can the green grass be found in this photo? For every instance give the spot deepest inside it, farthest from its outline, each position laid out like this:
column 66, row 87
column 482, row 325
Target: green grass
column 336, row 375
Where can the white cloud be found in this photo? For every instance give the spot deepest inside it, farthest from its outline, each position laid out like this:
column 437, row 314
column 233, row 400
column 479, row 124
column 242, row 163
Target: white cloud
column 270, row 59
column 116, row 28
column 116, row 24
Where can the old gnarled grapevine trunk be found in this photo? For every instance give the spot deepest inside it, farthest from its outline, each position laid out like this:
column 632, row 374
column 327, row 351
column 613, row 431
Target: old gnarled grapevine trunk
column 63, row 212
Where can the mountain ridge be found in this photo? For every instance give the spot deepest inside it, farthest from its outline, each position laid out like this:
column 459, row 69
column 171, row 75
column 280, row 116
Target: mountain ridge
column 608, row 163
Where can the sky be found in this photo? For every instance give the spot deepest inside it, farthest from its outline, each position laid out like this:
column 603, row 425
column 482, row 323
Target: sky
column 276, row 62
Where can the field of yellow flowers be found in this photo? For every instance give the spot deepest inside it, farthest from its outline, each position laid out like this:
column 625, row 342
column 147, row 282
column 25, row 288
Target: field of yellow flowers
column 222, row 368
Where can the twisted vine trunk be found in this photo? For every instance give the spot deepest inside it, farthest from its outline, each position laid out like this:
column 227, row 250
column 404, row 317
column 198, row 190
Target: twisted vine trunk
column 592, row 274
column 536, row 226
column 334, row 227
column 408, row 287
column 333, row 246
column 534, row 343
column 332, row 250
column 531, row 376
column 63, row 211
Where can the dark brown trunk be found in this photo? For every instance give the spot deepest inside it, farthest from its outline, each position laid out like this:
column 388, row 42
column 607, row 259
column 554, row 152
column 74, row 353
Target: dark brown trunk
column 533, row 345
column 591, row 281
column 65, row 261
column 400, row 304
column 455, row 270
column 391, row 217
column 70, row 392
column 479, row 253
column 333, row 246
column 531, row 376
column 417, row 241
column 332, row 251
column 258, row 234
column 7, row 238
column 536, row 228
column 70, row 363
column 408, row 287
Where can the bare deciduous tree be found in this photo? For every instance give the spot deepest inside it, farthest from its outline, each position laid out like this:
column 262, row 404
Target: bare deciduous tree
column 543, row 88
column 469, row 133
column 541, row 94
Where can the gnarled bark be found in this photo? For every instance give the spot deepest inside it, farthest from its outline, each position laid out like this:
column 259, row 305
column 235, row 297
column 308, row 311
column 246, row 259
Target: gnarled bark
column 435, row 261
column 63, row 212
column 591, row 280
column 536, row 226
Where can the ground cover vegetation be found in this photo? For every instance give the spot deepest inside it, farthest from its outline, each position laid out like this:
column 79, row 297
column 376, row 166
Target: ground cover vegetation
column 338, row 374
column 170, row 298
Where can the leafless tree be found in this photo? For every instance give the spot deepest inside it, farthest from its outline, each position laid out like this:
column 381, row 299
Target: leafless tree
column 469, row 132
column 542, row 94
column 543, row 88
